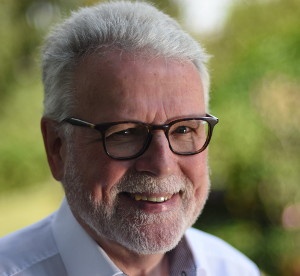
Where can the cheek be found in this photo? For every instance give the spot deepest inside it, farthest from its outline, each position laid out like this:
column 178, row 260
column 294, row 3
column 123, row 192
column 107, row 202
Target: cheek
column 102, row 175
column 197, row 172
column 97, row 172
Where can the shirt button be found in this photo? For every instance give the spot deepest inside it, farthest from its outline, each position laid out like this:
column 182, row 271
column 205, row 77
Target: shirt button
column 183, row 273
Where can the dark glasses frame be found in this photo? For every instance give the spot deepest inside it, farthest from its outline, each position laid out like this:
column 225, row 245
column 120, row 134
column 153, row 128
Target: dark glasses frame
column 102, row 128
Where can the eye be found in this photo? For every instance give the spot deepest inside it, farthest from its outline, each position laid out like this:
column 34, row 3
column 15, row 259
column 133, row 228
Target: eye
column 185, row 128
column 122, row 134
column 126, row 132
column 182, row 130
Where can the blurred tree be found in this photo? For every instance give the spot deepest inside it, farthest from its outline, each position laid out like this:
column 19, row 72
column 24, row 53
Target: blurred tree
column 22, row 25
column 255, row 153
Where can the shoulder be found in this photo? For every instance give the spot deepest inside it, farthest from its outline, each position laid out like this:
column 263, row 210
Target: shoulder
column 216, row 254
column 28, row 249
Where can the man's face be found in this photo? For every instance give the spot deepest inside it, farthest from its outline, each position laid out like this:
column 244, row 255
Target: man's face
column 114, row 200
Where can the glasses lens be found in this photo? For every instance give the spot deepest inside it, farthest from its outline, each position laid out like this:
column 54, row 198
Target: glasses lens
column 126, row 139
column 188, row 136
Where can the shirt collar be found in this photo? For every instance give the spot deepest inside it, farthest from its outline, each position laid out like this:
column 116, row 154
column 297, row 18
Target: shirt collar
column 80, row 253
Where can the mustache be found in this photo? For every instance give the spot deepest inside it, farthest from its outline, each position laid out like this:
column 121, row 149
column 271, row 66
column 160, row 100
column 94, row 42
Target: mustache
column 144, row 183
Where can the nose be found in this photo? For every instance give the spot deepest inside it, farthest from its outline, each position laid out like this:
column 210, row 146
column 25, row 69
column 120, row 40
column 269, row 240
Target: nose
column 158, row 160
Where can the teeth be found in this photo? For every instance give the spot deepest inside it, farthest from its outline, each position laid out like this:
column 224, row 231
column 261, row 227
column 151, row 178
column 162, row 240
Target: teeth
column 139, row 197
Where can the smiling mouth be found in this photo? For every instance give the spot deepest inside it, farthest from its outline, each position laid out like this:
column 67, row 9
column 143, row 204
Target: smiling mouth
column 159, row 199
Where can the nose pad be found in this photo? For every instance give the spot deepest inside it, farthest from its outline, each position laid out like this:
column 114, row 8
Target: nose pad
column 158, row 159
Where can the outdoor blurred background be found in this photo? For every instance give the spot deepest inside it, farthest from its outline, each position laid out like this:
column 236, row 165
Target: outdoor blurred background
column 255, row 150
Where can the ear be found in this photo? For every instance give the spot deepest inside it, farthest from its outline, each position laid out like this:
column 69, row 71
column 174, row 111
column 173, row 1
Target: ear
column 54, row 145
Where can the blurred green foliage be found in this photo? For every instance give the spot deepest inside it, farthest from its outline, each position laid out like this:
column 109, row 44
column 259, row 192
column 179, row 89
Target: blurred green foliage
column 255, row 151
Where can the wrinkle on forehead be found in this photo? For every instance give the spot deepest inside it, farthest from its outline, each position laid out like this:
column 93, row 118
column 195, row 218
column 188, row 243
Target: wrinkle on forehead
column 133, row 86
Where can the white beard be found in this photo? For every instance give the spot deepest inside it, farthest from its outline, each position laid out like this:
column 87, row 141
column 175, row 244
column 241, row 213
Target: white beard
column 133, row 228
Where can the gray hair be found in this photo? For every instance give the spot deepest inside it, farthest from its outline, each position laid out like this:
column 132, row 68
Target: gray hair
column 128, row 26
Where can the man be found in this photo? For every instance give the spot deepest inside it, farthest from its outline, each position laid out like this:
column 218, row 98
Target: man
column 126, row 131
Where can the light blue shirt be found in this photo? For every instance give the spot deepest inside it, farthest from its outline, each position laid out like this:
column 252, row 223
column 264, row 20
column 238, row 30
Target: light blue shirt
column 59, row 246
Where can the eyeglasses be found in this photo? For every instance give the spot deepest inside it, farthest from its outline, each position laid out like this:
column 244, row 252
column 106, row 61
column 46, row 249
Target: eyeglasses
column 130, row 139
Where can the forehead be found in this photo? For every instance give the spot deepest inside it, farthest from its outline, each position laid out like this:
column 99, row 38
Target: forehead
column 121, row 86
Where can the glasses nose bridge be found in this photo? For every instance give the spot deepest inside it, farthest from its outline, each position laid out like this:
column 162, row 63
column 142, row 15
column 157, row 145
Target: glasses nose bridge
column 152, row 128
column 164, row 128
